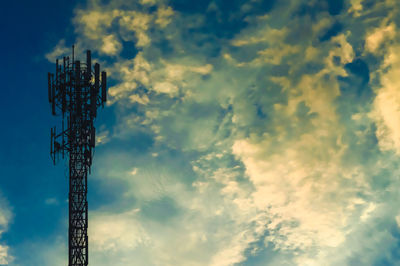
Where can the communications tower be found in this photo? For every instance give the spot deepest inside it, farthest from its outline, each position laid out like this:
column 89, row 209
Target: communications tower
column 75, row 93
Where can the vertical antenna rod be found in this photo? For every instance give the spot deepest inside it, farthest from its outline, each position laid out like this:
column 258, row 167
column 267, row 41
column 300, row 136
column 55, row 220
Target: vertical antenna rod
column 74, row 96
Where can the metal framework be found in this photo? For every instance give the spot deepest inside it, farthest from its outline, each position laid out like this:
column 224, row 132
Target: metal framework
column 75, row 93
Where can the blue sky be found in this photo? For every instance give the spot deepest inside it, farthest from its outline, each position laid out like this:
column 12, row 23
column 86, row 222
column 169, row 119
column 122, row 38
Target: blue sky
column 236, row 132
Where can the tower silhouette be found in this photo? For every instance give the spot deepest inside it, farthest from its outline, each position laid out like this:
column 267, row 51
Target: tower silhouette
column 75, row 92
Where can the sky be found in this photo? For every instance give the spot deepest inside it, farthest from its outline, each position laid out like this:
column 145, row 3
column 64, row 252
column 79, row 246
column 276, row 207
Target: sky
column 241, row 133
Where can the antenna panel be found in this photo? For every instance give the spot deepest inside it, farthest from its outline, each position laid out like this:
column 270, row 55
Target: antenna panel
column 89, row 65
column 51, row 141
column 64, row 96
column 93, row 103
column 96, row 77
column 57, row 69
column 77, row 72
column 53, row 97
column 103, row 87
column 88, row 156
column 53, row 107
column 93, row 138
column 49, row 86
column 78, row 85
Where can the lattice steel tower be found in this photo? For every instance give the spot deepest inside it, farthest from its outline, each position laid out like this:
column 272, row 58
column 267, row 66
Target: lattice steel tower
column 75, row 93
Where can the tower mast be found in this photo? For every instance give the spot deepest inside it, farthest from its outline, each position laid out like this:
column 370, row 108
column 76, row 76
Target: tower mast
column 75, row 95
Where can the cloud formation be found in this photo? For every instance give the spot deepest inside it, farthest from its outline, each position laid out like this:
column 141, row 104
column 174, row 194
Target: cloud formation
column 250, row 134
column 5, row 220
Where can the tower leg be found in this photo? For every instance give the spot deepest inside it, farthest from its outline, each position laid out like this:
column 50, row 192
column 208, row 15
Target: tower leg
column 78, row 209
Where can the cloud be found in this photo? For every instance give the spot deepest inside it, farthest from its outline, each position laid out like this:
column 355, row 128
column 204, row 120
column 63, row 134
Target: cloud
column 111, row 46
column 46, row 251
column 377, row 37
column 148, row 2
column 57, row 52
column 356, row 7
column 51, row 201
column 5, row 219
column 102, row 137
column 387, row 102
column 104, row 28
column 274, row 137
column 164, row 15
column 112, row 233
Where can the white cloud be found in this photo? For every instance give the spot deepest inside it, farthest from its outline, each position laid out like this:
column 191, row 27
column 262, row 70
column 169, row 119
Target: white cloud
column 310, row 197
column 137, row 99
column 111, row 45
column 94, row 22
column 138, row 23
column 164, row 15
column 102, row 137
column 160, row 76
column 267, row 35
column 378, row 36
column 134, row 171
column 149, row 2
column 110, row 232
column 51, row 201
column 5, row 218
column 387, row 103
column 165, row 87
column 303, row 193
column 58, row 51
column 356, row 7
